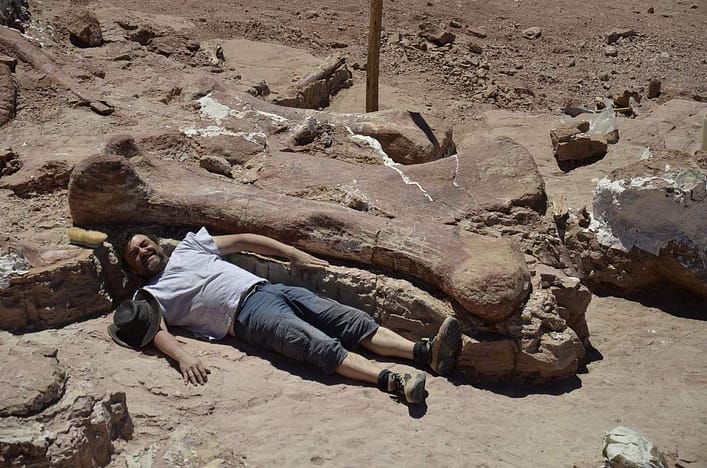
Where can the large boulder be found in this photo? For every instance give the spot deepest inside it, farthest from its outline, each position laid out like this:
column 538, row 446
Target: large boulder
column 48, row 288
column 85, row 30
column 648, row 226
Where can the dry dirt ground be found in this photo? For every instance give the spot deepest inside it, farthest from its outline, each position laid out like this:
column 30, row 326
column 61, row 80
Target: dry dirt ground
column 649, row 371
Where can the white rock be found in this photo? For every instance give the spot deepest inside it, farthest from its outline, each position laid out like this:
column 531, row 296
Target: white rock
column 626, row 448
column 651, row 212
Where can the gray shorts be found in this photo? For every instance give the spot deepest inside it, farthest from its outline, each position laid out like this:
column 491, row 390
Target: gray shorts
column 299, row 324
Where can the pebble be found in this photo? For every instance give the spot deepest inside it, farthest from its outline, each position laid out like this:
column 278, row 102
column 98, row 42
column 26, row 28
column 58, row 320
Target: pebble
column 533, row 32
column 475, row 48
column 651, row 10
column 611, row 51
column 478, row 31
column 604, row 77
column 455, row 24
column 614, row 35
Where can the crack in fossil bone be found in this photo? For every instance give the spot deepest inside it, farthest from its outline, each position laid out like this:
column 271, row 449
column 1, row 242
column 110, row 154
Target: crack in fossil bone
column 387, row 161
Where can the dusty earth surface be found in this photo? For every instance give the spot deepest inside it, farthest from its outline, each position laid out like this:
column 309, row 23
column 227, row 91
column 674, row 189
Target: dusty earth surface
column 648, row 370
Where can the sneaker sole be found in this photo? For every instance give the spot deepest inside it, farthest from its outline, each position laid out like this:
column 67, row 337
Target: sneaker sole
column 447, row 346
column 415, row 388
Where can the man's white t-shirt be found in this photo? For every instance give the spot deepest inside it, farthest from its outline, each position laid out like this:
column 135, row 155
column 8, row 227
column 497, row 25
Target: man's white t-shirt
column 198, row 290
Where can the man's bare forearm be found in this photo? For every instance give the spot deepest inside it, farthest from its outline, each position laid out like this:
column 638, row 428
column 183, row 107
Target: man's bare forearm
column 191, row 367
column 168, row 344
column 254, row 243
column 266, row 246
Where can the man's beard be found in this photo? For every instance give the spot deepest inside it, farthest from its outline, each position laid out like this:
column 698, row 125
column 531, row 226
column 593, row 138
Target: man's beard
column 156, row 264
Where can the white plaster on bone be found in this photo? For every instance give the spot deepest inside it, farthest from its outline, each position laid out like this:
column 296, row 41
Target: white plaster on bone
column 650, row 212
column 211, row 108
column 376, row 146
column 213, row 131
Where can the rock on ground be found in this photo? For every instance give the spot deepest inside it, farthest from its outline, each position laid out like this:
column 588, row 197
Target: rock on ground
column 29, row 382
column 648, row 227
column 54, row 293
column 86, row 30
column 572, row 143
column 45, row 425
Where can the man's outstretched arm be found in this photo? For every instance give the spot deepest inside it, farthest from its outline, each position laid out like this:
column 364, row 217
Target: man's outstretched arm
column 266, row 246
column 191, row 368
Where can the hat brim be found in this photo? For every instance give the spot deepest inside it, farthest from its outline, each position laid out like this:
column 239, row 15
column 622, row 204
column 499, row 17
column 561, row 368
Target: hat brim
column 154, row 322
column 155, row 319
column 113, row 332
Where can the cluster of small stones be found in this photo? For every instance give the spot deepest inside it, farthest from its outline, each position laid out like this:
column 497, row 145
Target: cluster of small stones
column 462, row 63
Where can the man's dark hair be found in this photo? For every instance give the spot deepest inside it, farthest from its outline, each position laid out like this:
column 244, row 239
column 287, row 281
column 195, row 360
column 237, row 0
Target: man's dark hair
column 121, row 244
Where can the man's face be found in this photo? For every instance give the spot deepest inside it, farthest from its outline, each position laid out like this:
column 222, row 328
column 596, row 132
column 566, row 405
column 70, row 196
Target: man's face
column 144, row 256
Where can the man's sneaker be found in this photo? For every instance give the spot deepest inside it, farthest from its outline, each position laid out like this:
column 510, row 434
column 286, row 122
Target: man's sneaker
column 409, row 387
column 444, row 347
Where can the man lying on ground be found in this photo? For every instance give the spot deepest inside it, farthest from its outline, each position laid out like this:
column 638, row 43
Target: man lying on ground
column 198, row 290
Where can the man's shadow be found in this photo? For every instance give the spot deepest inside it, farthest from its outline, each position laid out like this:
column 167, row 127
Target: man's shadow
column 300, row 369
column 508, row 388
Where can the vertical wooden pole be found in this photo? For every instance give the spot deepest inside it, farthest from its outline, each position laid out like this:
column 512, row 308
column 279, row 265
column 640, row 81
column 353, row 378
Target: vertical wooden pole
column 373, row 64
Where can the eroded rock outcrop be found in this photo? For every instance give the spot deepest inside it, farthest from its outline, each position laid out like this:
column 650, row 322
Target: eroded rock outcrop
column 648, row 227
column 50, row 288
column 29, row 381
column 48, row 422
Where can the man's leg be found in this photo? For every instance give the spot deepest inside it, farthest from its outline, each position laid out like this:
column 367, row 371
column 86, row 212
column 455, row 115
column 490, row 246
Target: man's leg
column 354, row 327
column 385, row 342
column 439, row 353
column 356, row 367
column 269, row 320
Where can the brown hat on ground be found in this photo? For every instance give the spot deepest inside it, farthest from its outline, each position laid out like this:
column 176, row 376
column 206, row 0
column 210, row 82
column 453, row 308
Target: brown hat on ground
column 136, row 321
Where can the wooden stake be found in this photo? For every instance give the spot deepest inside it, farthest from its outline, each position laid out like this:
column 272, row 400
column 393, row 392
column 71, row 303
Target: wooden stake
column 374, row 45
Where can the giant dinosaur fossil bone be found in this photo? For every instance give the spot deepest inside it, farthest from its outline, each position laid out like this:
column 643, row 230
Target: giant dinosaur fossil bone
column 15, row 44
column 487, row 276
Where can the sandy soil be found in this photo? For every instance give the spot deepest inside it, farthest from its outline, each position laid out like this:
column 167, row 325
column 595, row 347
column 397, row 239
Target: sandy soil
column 648, row 373
column 261, row 410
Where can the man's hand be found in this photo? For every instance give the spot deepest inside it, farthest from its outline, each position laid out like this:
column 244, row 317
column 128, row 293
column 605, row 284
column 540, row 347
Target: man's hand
column 302, row 259
column 193, row 370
